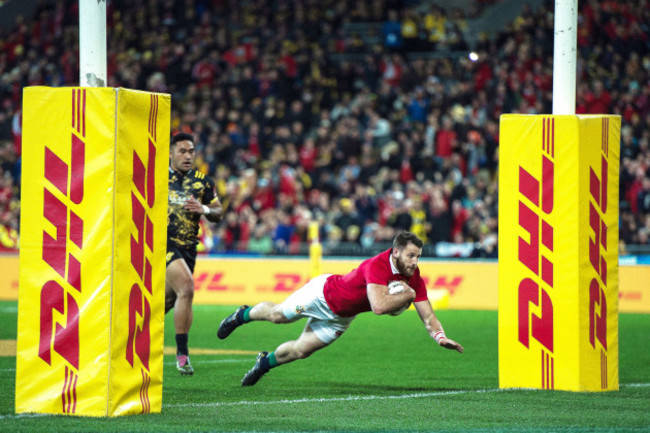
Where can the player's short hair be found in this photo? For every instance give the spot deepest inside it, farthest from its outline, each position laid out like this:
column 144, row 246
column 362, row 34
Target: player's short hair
column 404, row 238
column 181, row 136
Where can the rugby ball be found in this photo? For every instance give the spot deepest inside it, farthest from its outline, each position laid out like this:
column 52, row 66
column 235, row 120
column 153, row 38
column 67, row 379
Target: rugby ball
column 397, row 287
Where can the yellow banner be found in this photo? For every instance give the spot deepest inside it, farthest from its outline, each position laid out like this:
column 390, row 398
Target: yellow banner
column 67, row 279
column 471, row 284
column 551, row 168
column 231, row 282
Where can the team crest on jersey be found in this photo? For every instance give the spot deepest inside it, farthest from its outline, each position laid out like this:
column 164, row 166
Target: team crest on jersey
column 177, row 197
column 300, row 309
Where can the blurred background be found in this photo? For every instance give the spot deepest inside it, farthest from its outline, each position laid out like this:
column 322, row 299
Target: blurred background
column 370, row 117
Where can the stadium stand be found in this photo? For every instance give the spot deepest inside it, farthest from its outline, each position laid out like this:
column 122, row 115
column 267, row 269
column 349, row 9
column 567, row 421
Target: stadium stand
column 368, row 117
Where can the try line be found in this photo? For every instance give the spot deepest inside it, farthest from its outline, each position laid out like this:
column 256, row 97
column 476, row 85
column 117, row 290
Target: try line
column 333, row 399
column 365, row 397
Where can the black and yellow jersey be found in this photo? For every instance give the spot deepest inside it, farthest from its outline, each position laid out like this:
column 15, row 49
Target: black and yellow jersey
column 183, row 226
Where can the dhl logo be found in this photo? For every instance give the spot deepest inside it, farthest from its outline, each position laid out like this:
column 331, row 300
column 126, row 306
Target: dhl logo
column 597, row 298
column 143, row 197
column 61, row 194
column 536, row 201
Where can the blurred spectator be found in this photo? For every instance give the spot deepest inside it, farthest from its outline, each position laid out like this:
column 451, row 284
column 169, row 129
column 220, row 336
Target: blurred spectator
column 392, row 31
column 261, row 241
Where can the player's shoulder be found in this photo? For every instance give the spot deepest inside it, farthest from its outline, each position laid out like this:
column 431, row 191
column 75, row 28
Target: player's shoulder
column 384, row 256
column 382, row 259
column 201, row 177
column 196, row 174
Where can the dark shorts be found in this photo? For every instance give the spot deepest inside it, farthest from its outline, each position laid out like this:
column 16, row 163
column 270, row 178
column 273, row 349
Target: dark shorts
column 173, row 253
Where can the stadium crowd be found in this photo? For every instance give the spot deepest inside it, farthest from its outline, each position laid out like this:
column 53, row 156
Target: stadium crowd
column 300, row 116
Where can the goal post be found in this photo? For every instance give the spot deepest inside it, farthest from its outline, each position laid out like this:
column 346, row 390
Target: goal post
column 92, row 257
column 558, row 252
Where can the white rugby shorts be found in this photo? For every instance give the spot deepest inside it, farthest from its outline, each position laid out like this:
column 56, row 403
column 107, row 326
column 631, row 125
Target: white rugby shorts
column 309, row 301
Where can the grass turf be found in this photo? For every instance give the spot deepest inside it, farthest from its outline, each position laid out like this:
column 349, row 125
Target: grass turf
column 384, row 374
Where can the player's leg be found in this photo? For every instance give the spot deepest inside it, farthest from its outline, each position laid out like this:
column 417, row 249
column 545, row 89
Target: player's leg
column 170, row 297
column 179, row 279
column 304, row 346
column 322, row 329
column 288, row 311
column 268, row 311
column 272, row 312
column 308, row 343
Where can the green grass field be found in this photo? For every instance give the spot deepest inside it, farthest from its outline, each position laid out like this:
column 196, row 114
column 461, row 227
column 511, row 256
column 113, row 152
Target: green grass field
column 384, row 374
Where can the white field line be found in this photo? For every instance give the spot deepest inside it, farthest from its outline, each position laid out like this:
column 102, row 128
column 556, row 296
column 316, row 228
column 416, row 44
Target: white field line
column 24, row 415
column 333, row 399
column 211, row 361
column 328, row 400
column 365, row 397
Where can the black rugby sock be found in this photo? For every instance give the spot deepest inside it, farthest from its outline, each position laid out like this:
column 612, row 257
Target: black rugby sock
column 181, row 344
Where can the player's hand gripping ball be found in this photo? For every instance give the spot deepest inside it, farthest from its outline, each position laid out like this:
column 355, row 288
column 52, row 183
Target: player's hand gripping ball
column 397, row 287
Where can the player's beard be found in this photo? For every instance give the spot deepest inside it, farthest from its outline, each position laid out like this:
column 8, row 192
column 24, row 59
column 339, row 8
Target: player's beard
column 401, row 267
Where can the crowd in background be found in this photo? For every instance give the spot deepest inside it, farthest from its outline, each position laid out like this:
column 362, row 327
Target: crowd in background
column 299, row 116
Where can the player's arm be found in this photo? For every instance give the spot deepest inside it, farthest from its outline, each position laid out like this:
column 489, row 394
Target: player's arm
column 434, row 327
column 214, row 210
column 382, row 302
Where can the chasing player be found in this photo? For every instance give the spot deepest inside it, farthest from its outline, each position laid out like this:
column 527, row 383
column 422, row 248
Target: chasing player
column 331, row 302
column 191, row 194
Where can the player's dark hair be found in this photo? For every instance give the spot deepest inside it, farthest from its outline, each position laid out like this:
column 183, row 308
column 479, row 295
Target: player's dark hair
column 404, row 238
column 181, row 136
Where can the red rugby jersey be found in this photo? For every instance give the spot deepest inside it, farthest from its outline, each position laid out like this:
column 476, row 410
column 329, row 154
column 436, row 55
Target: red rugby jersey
column 346, row 294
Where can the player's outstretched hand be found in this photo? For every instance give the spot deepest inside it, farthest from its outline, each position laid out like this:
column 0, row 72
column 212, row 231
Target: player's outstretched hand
column 448, row 343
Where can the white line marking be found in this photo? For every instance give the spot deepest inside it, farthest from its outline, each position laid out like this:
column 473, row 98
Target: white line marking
column 24, row 415
column 634, row 385
column 364, row 397
column 332, row 399
column 211, row 361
